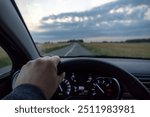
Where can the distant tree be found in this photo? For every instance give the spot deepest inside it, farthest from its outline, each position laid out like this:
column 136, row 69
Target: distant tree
column 137, row 40
column 104, row 41
column 74, row 40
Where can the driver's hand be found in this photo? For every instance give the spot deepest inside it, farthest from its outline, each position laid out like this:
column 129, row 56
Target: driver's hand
column 42, row 73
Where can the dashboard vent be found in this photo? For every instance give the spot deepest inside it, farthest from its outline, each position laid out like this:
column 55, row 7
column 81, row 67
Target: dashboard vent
column 145, row 80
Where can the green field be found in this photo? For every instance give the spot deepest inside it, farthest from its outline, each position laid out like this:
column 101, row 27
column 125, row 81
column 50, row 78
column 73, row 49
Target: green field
column 48, row 47
column 138, row 50
column 4, row 59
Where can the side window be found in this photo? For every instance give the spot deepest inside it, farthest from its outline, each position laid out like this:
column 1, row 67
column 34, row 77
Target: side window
column 5, row 62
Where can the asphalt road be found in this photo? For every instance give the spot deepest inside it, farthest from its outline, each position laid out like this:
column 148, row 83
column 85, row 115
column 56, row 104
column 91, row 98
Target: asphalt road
column 71, row 50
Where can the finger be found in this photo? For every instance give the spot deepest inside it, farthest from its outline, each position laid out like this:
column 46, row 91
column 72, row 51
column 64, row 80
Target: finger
column 46, row 57
column 61, row 77
column 55, row 60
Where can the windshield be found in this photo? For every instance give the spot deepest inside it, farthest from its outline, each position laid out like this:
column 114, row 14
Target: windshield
column 108, row 28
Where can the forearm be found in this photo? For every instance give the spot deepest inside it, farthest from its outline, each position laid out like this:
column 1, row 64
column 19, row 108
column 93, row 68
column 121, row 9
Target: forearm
column 25, row 92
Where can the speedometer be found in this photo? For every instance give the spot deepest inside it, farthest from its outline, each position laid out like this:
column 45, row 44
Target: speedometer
column 88, row 86
column 105, row 88
column 63, row 90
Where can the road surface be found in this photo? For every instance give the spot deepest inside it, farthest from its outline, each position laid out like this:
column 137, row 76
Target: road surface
column 71, row 50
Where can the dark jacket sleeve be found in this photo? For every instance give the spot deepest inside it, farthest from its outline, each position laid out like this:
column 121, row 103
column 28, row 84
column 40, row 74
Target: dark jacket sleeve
column 25, row 92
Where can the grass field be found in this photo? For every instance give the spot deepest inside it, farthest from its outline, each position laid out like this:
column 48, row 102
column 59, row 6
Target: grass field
column 48, row 47
column 138, row 50
column 4, row 59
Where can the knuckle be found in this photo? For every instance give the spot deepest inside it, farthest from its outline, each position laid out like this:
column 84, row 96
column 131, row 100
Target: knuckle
column 39, row 61
column 29, row 62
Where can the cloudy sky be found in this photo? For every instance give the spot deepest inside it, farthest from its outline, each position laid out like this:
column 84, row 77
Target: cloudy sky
column 91, row 20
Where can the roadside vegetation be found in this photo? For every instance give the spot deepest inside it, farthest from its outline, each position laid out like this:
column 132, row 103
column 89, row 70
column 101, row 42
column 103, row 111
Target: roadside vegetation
column 137, row 50
column 124, row 49
column 4, row 59
column 48, row 47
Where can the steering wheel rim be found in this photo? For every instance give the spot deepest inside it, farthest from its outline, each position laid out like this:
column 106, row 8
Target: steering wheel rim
column 134, row 86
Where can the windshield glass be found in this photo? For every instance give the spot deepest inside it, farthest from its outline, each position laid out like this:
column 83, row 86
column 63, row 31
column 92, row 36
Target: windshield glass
column 108, row 28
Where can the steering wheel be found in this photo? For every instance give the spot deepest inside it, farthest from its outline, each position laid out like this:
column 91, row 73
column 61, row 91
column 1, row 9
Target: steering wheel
column 134, row 86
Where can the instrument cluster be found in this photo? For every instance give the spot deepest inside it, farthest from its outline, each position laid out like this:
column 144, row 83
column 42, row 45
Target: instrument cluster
column 88, row 86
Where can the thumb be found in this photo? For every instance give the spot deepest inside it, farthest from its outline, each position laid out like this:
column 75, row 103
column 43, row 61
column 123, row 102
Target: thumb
column 61, row 77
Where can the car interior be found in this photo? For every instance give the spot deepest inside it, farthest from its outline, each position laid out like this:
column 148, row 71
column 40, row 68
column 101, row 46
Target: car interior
column 88, row 76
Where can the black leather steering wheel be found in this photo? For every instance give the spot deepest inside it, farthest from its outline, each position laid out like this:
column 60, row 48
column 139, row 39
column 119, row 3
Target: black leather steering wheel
column 134, row 86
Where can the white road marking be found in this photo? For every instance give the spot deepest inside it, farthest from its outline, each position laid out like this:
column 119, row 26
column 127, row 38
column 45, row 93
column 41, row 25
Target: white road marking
column 70, row 50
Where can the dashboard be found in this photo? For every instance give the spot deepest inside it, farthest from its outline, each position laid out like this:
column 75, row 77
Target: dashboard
column 90, row 84
column 83, row 85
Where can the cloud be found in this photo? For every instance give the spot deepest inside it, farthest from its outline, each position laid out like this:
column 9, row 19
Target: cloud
column 147, row 14
column 120, row 18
